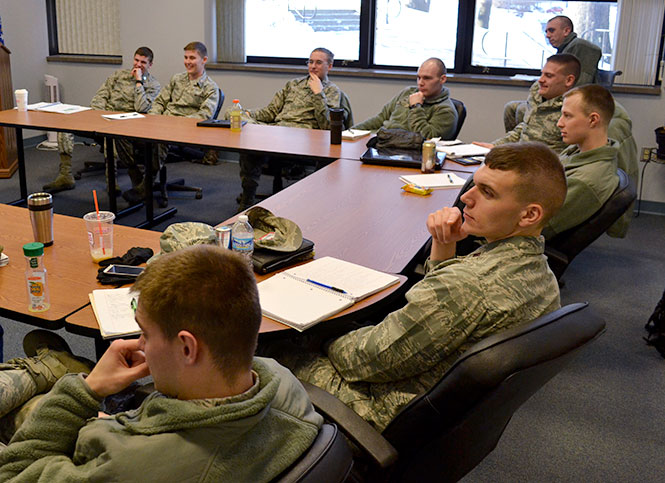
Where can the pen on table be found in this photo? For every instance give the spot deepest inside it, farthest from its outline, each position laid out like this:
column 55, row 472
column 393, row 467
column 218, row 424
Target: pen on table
column 450, row 178
column 326, row 286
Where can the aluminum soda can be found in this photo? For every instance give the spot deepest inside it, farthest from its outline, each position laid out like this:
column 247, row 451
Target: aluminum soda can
column 428, row 157
column 224, row 236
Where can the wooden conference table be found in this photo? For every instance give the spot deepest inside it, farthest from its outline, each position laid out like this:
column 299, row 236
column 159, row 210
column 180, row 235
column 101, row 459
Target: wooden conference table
column 351, row 211
column 71, row 271
column 254, row 138
column 72, row 274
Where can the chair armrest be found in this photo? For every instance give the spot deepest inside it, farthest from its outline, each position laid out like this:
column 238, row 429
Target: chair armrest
column 359, row 431
column 558, row 261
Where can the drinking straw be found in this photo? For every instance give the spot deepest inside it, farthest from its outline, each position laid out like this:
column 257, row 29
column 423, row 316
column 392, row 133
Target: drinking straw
column 99, row 221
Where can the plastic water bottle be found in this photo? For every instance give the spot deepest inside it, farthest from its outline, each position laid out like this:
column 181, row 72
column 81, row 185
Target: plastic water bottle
column 236, row 116
column 35, row 277
column 242, row 238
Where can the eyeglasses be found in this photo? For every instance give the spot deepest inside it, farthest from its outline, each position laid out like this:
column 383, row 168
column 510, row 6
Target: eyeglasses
column 133, row 304
column 317, row 62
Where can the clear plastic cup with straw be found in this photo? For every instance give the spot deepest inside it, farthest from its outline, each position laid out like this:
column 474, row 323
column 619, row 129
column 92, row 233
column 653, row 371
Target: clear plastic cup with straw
column 99, row 225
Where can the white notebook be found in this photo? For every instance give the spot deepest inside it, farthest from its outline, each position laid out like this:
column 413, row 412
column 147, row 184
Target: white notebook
column 435, row 181
column 462, row 150
column 114, row 312
column 351, row 134
column 307, row 294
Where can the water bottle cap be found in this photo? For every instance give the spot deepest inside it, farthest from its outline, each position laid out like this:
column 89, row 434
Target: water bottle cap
column 242, row 218
column 34, row 249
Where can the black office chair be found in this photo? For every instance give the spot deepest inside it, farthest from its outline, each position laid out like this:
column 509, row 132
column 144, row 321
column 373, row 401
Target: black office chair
column 464, row 247
column 328, row 460
column 606, row 78
column 443, row 434
column 92, row 166
column 565, row 246
column 176, row 154
column 461, row 116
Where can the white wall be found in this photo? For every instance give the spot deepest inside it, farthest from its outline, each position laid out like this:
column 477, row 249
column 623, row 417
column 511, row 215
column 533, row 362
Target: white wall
column 167, row 25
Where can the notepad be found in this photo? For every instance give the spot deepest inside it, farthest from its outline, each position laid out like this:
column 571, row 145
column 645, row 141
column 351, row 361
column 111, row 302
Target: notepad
column 435, row 181
column 305, row 295
column 462, row 150
column 351, row 134
column 114, row 313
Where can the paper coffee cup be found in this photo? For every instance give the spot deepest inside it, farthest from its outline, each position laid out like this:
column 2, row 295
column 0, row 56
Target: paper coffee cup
column 21, row 99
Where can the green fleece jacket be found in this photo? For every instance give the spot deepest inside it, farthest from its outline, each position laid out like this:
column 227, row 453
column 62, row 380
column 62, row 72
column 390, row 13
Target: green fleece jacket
column 587, row 53
column 436, row 118
column 621, row 130
column 592, row 178
column 250, row 437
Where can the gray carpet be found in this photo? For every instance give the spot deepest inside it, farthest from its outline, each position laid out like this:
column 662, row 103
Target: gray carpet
column 601, row 419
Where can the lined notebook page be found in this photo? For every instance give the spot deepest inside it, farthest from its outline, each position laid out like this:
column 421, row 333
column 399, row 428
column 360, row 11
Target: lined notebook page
column 297, row 304
column 357, row 281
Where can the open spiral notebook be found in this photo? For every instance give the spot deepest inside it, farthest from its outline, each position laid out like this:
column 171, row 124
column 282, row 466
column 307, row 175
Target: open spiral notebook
column 307, row 294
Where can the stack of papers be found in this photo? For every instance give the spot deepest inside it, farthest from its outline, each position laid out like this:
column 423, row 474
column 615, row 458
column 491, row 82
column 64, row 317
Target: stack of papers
column 57, row 107
column 434, row 181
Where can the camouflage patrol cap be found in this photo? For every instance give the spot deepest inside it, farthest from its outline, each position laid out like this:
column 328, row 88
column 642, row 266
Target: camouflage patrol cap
column 274, row 232
column 181, row 235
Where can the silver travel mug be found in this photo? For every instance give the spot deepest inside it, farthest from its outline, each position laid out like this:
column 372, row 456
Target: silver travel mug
column 40, row 206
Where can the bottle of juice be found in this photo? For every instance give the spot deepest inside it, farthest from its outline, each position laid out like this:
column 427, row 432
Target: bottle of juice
column 35, row 277
column 236, row 116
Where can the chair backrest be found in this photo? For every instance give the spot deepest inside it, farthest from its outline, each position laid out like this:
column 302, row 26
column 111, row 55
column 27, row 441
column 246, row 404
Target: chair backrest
column 445, row 433
column 461, row 116
column 328, row 460
column 606, row 78
column 562, row 248
column 220, row 103
column 345, row 104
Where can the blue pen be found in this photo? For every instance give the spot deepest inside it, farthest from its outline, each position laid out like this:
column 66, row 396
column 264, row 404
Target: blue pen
column 326, row 286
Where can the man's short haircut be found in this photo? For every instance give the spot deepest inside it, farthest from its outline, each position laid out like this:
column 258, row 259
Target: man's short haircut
column 571, row 64
column 329, row 54
column 541, row 178
column 595, row 98
column 210, row 292
column 199, row 47
column 439, row 64
column 145, row 52
column 565, row 21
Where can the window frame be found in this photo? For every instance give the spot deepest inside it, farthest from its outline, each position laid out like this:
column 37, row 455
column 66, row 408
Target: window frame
column 463, row 51
column 54, row 46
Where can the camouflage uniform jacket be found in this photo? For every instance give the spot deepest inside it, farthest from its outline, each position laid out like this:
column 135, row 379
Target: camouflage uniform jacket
column 296, row 105
column 120, row 92
column 592, row 178
column 436, row 118
column 539, row 122
column 187, row 98
column 377, row 370
column 587, row 53
column 253, row 436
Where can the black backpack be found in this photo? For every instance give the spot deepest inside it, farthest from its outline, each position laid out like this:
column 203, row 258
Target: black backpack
column 656, row 327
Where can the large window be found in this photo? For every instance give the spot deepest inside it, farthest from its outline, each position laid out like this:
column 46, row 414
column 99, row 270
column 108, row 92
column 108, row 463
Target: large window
column 476, row 36
column 292, row 28
column 510, row 33
column 84, row 27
